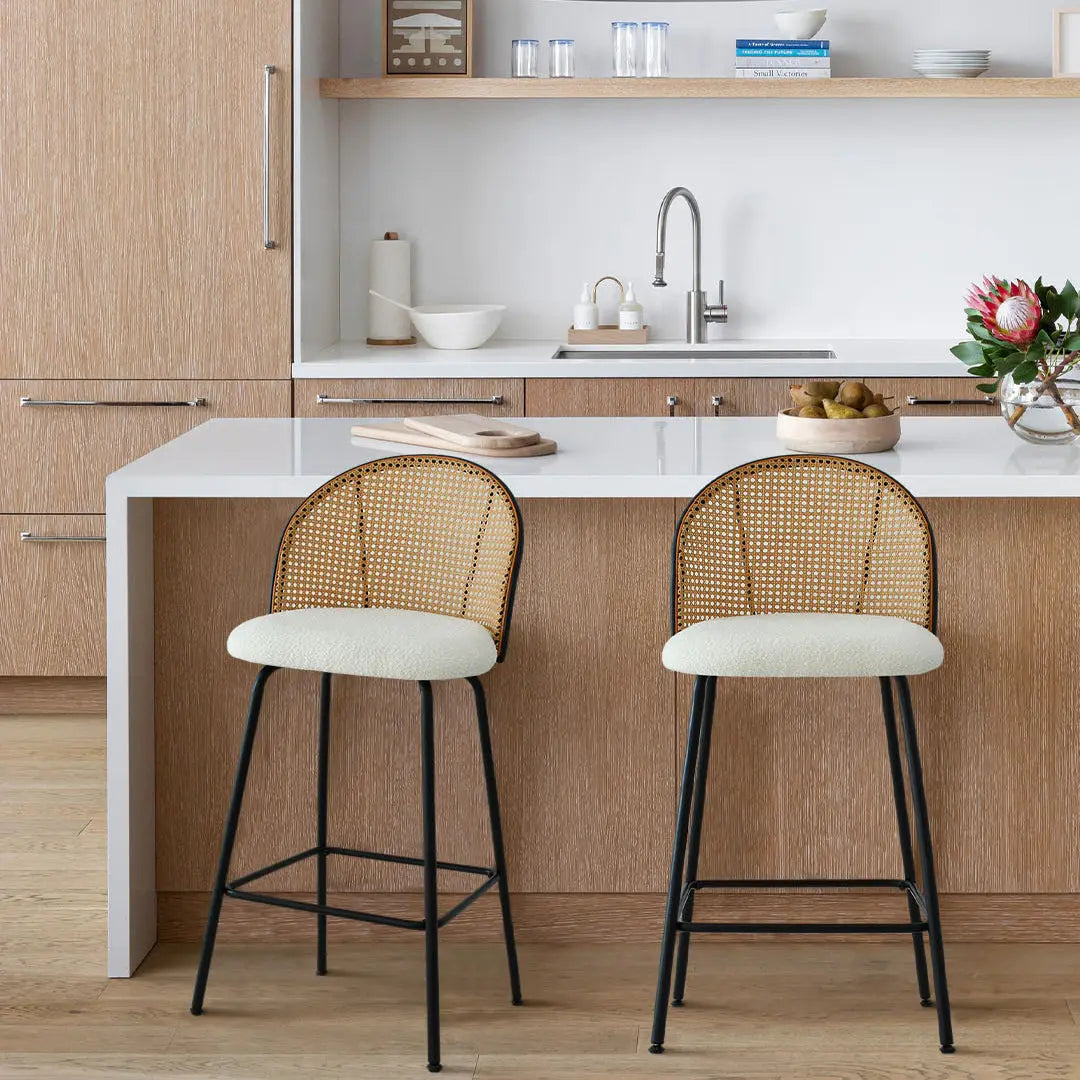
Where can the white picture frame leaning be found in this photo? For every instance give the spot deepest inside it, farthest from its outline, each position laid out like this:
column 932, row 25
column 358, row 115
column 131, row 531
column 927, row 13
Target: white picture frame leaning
column 1066, row 43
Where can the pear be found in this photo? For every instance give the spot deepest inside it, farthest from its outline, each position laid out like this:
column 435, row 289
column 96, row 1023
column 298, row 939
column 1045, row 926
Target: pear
column 876, row 410
column 835, row 410
column 812, row 412
column 821, row 390
column 802, row 399
column 855, row 395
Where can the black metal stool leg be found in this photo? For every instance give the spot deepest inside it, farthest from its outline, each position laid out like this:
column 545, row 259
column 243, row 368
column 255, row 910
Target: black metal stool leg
column 682, row 958
column 497, row 837
column 431, row 884
column 232, row 820
column 904, row 827
column 678, row 863
column 320, row 832
column 926, row 856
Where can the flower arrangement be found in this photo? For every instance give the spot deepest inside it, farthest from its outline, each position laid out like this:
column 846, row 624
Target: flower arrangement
column 1025, row 335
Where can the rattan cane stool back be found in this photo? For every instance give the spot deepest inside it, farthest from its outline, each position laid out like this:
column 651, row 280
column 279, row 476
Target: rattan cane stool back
column 804, row 533
column 420, row 533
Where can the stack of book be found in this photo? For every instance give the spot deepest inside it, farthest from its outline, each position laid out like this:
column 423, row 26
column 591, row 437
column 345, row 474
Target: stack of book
column 770, row 59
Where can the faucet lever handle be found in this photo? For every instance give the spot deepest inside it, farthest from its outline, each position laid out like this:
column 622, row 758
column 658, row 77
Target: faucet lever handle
column 722, row 292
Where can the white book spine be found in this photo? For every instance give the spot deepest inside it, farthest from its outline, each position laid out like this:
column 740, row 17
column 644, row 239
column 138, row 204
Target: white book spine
column 783, row 61
column 782, row 73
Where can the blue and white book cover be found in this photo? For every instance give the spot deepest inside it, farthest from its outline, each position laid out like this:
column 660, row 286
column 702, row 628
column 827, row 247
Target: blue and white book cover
column 776, row 43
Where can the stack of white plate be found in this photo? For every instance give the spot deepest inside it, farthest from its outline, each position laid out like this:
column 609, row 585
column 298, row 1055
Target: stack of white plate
column 952, row 63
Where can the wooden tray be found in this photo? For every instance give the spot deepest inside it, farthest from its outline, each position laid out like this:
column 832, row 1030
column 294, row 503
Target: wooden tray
column 607, row 335
column 396, row 431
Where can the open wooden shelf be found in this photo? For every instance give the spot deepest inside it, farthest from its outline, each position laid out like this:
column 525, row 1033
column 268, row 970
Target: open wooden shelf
column 425, row 87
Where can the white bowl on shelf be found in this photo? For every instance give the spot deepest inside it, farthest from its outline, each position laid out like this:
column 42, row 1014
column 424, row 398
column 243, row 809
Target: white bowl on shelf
column 800, row 25
column 457, row 326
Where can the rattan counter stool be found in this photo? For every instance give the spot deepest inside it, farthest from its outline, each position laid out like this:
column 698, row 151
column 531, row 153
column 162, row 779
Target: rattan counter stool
column 404, row 568
column 803, row 567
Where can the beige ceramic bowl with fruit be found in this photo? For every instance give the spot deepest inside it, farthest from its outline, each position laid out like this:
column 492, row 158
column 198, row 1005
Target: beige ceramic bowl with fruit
column 838, row 418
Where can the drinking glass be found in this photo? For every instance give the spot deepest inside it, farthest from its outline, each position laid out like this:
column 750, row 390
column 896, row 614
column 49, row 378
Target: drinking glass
column 562, row 58
column 525, row 59
column 624, row 37
column 655, row 36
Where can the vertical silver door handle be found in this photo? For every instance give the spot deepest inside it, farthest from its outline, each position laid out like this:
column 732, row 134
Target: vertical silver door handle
column 269, row 71
column 672, row 402
column 717, row 403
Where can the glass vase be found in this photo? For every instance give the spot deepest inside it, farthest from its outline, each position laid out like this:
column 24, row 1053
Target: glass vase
column 1045, row 412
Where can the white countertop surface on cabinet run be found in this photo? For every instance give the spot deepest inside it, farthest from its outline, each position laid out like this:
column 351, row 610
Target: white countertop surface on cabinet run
column 949, row 457
column 535, row 360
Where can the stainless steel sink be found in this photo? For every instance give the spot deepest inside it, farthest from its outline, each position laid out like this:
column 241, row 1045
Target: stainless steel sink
column 602, row 352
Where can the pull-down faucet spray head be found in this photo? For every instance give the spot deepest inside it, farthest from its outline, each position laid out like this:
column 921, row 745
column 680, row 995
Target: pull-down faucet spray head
column 658, row 281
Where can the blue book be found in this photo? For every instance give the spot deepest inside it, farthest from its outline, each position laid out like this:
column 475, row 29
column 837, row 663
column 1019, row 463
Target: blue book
column 769, row 43
column 781, row 52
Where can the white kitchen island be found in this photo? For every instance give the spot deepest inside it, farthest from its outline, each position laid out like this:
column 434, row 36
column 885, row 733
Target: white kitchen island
column 599, row 459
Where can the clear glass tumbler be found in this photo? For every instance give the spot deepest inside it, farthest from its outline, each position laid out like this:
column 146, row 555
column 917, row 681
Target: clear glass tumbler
column 561, row 63
column 655, row 39
column 624, row 37
column 525, row 59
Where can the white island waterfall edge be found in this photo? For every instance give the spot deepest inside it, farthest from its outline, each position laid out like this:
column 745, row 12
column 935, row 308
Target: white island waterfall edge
column 598, row 459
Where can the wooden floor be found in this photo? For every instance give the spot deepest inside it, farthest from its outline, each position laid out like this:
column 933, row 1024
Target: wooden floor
column 756, row 1010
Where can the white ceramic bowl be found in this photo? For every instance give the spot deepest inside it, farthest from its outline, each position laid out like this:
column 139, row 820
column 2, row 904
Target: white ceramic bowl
column 457, row 326
column 805, row 435
column 800, row 25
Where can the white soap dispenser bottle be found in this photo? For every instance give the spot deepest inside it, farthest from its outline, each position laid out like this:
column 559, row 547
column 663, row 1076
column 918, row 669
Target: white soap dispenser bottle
column 631, row 313
column 586, row 311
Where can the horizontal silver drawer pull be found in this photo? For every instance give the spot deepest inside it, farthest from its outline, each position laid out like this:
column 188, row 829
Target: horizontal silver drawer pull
column 36, row 538
column 322, row 399
column 38, row 403
column 919, row 402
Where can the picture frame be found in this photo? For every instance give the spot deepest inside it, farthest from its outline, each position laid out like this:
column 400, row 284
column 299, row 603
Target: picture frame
column 428, row 38
column 1067, row 43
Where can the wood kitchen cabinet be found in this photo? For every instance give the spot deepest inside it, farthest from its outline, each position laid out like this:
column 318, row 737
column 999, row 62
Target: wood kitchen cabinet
column 132, row 201
column 612, row 397
column 408, row 397
column 933, row 397
column 56, row 453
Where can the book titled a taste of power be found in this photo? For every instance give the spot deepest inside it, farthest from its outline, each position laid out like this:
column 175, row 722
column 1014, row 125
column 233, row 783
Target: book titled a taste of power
column 775, row 47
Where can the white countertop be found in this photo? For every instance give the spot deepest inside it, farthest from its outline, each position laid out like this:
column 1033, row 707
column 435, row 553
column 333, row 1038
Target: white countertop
column 534, row 360
column 598, row 458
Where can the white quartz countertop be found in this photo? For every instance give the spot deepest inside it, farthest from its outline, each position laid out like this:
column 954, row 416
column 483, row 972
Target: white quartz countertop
column 598, row 458
column 845, row 358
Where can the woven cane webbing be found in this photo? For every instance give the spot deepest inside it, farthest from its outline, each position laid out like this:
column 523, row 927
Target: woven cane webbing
column 423, row 533
column 803, row 533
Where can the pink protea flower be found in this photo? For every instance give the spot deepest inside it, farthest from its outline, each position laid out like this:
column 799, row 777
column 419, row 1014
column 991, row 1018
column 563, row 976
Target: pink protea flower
column 1011, row 312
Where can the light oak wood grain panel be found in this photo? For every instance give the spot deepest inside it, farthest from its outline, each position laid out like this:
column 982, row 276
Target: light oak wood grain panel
column 132, row 201
column 307, row 392
column 55, row 459
column 582, row 714
column 54, row 597
column 52, row 697
column 611, row 397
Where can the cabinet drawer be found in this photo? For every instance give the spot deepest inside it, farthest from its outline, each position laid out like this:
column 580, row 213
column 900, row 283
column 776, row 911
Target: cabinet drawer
column 53, row 570
column 61, row 439
column 409, row 397
column 614, row 397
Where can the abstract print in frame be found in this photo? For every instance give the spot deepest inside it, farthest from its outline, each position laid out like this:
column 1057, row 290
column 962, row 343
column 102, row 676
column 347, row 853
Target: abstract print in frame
column 428, row 37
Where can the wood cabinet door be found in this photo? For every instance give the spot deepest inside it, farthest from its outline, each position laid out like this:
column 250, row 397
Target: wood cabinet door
column 408, row 397
column 61, row 439
column 132, row 196
column 53, row 570
column 611, row 397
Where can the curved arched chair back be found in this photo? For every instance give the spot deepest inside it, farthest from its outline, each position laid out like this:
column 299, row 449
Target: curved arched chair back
column 421, row 533
column 804, row 533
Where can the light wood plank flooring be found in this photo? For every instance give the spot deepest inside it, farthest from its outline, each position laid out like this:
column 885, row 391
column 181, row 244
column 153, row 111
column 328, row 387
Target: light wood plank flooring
column 756, row 1010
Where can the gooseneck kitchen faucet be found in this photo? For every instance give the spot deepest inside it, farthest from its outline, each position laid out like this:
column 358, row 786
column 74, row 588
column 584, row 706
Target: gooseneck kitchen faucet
column 699, row 313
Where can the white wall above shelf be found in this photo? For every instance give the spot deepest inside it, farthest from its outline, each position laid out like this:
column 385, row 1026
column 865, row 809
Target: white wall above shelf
column 425, row 88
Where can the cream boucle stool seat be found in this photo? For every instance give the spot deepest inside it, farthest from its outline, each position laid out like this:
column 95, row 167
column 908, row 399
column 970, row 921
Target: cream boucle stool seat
column 804, row 567
column 403, row 568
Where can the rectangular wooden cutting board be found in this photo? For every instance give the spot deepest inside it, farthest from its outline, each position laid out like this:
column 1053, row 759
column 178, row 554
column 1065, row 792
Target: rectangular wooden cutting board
column 397, row 431
column 474, row 432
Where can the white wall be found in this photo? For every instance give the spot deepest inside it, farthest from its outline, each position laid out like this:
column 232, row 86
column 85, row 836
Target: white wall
column 827, row 218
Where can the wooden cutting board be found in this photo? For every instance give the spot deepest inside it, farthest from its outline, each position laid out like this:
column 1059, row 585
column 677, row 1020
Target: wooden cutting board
column 474, row 432
column 396, row 431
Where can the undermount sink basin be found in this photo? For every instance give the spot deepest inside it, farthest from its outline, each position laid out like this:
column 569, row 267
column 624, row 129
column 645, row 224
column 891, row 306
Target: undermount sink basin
column 610, row 352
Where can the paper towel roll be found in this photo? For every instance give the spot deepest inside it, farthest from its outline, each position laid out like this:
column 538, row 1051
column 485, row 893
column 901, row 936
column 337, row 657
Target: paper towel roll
column 390, row 274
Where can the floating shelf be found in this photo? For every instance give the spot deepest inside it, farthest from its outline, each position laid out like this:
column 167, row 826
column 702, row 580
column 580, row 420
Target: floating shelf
column 424, row 87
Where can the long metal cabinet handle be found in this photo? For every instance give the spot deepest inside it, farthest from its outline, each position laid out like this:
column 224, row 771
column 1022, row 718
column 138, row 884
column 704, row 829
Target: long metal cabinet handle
column 672, row 402
column 268, row 98
column 323, row 399
column 37, row 538
column 39, row 403
column 920, row 402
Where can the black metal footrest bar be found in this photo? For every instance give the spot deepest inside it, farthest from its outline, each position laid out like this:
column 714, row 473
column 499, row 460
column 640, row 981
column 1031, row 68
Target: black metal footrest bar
column 235, row 888
column 686, row 923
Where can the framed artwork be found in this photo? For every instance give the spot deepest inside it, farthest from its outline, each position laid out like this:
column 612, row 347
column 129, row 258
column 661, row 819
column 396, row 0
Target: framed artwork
column 1067, row 43
column 428, row 37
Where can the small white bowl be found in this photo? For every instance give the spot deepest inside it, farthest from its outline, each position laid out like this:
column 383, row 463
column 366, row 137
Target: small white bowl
column 457, row 326
column 806, row 435
column 801, row 25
